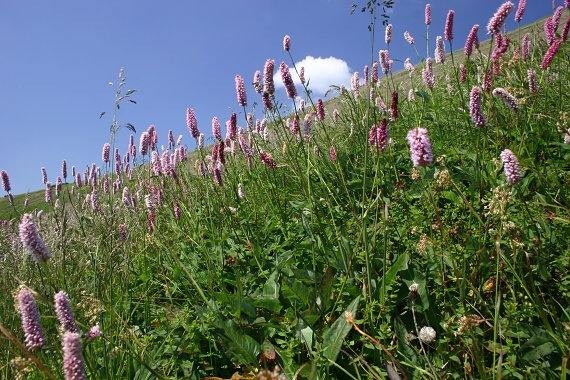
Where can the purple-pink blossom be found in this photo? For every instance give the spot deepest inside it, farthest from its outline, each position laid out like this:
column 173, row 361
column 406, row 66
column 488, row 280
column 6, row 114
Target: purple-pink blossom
column 257, row 85
column 475, row 107
column 496, row 22
column 73, row 364
column 506, row 97
column 520, row 10
column 448, row 30
column 106, row 153
column 240, row 91
column 439, row 50
column 511, row 166
column 216, row 128
column 30, row 316
column 286, row 42
column 427, row 74
column 287, row 80
column 471, row 41
column 420, row 147
column 550, row 53
column 268, row 85
column 532, row 81
column 267, row 159
column 5, row 181
column 427, row 14
column 64, row 312
column 320, row 110
column 409, row 38
column 388, row 34
column 192, row 123
column 378, row 135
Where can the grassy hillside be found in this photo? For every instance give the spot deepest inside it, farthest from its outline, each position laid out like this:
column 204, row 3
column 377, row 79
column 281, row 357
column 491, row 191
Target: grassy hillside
column 343, row 250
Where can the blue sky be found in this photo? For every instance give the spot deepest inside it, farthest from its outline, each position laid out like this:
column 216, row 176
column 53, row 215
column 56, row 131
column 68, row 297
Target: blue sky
column 57, row 58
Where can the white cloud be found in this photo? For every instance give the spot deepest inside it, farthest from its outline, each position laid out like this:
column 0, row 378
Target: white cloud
column 320, row 72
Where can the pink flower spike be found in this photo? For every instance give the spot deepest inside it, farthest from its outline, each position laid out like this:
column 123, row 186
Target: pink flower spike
column 30, row 316
column 420, row 147
column 409, row 38
column 550, row 53
column 498, row 19
column 388, row 34
column 448, row 31
column 191, row 123
column 287, row 80
column 5, row 181
column 511, row 166
column 286, row 42
column 471, row 41
column 475, row 103
column 520, row 10
column 64, row 313
column 216, row 128
column 240, row 91
column 268, row 85
column 427, row 14
column 73, row 364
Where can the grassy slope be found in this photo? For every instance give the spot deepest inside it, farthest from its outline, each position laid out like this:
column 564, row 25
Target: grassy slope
column 206, row 293
column 36, row 199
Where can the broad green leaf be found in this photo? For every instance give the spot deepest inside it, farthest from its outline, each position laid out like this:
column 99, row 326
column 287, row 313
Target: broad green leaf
column 389, row 278
column 333, row 337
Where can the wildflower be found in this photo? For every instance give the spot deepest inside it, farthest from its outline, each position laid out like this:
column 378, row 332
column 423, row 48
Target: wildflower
column 365, row 71
column 320, row 110
column 94, row 332
column 567, row 136
column 155, row 163
column 231, row 126
column 78, row 181
column 245, row 148
column 152, row 137
column 420, row 147
column 267, row 159
column 287, row 80
column 394, row 106
column 106, row 152
column 378, row 135
column 64, row 312
column 427, row 334
column 257, row 85
column 355, row 84
column 95, row 206
column 73, row 365
column 267, row 101
column 427, row 14
column 47, row 192
column 240, row 91
column 44, row 175
column 471, row 41
column 462, row 73
column 411, row 95
column 550, row 53
column 192, row 123
column 144, row 143
column 487, row 80
column 58, row 186
column 448, row 31
column 30, row 316
column 5, row 181
column 475, row 107
column 268, row 86
column 439, row 50
column 414, row 289
column 385, row 61
column 286, row 43
column 388, row 34
column 332, row 153
column 427, row 74
column 532, row 81
column 506, row 97
column 217, row 174
column 496, row 22
column 511, row 166
column 294, row 125
column 64, row 169
column 408, row 65
column 520, row 10
column 375, row 72
column 408, row 37
column 501, row 46
column 302, row 74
